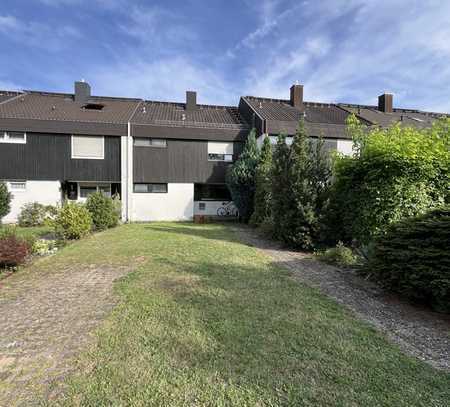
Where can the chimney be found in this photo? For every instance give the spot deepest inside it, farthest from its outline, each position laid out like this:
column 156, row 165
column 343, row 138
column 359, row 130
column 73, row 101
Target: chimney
column 191, row 100
column 82, row 91
column 385, row 102
column 297, row 96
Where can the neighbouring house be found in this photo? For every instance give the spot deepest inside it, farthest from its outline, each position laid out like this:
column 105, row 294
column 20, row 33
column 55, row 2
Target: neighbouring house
column 167, row 161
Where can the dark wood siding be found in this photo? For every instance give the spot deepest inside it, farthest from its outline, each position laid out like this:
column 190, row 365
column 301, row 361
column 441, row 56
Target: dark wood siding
column 180, row 161
column 48, row 157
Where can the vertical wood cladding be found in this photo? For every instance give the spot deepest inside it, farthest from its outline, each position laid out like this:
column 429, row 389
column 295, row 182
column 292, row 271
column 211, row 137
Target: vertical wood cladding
column 180, row 161
column 48, row 157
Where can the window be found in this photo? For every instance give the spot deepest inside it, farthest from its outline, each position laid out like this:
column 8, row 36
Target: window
column 211, row 192
column 18, row 186
column 220, row 157
column 88, row 189
column 88, row 147
column 13, row 137
column 93, row 106
column 85, row 190
column 150, row 188
column 219, row 151
column 201, row 206
column 150, row 142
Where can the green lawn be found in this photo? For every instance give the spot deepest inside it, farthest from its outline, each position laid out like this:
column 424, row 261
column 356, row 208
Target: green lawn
column 207, row 321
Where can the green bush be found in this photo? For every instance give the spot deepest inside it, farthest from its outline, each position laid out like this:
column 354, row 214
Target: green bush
column 103, row 211
column 5, row 200
column 395, row 173
column 35, row 214
column 73, row 221
column 413, row 258
column 340, row 256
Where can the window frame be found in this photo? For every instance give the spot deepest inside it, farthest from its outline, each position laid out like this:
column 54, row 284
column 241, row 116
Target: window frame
column 148, row 184
column 76, row 157
column 224, row 159
column 7, row 140
column 97, row 187
column 12, row 189
column 150, row 142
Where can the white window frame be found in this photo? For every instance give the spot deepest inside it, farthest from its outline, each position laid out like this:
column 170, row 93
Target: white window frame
column 6, row 139
column 12, row 189
column 221, row 148
column 79, row 157
column 150, row 142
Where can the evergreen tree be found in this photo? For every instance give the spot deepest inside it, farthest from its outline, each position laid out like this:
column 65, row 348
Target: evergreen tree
column 263, row 191
column 5, row 200
column 280, row 187
column 303, row 221
column 241, row 178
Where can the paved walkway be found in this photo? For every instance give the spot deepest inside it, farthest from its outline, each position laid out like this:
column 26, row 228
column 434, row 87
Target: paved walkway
column 45, row 319
column 419, row 332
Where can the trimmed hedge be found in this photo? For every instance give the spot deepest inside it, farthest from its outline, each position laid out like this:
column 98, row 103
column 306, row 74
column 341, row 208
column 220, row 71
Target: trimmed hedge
column 413, row 259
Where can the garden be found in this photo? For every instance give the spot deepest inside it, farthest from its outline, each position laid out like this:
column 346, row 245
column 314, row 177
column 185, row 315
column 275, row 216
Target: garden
column 384, row 210
column 43, row 229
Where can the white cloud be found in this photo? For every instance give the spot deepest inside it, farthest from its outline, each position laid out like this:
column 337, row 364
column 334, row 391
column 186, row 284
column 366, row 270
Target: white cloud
column 164, row 79
column 36, row 34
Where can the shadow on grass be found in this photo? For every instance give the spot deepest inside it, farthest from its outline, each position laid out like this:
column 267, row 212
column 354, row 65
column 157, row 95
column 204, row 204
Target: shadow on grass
column 212, row 231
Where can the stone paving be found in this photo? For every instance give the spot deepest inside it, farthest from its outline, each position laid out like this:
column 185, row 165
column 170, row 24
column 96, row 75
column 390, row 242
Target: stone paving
column 418, row 331
column 46, row 318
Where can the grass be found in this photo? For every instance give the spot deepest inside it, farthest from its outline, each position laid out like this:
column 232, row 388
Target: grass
column 207, row 321
column 29, row 232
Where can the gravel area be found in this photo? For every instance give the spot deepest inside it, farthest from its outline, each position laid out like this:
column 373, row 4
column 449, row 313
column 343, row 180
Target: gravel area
column 46, row 318
column 418, row 331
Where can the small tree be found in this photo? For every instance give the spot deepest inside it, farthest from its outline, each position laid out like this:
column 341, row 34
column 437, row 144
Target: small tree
column 241, row 178
column 263, row 191
column 5, row 200
column 280, row 187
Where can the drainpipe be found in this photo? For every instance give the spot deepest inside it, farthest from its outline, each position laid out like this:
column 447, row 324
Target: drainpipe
column 129, row 172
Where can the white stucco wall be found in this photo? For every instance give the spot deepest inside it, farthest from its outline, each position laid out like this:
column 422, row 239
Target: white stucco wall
column 44, row 192
column 176, row 204
column 345, row 147
column 211, row 207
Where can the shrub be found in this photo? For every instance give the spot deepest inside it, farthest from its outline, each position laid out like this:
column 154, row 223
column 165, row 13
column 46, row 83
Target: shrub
column 35, row 214
column 43, row 247
column 13, row 251
column 413, row 258
column 395, row 173
column 240, row 178
column 5, row 200
column 103, row 211
column 340, row 256
column 73, row 221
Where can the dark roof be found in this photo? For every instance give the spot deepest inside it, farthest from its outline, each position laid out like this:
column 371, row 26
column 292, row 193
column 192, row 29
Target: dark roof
column 6, row 95
column 408, row 117
column 278, row 109
column 175, row 115
column 62, row 107
column 59, row 112
column 329, row 119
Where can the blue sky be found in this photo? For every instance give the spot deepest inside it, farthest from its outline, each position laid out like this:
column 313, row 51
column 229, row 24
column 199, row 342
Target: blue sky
column 342, row 51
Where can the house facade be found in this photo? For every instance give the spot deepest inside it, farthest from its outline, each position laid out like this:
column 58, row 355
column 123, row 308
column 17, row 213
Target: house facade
column 166, row 161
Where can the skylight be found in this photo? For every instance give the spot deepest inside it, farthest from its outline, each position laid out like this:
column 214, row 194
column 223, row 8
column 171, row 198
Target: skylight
column 93, row 106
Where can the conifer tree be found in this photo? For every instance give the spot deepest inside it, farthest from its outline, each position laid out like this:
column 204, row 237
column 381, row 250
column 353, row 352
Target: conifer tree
column 241, row 178
column 280, row 186
column 263, row 191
